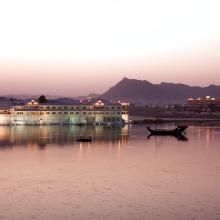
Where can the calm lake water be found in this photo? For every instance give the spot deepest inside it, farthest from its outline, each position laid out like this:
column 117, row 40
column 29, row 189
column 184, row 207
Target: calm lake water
column 46, row 174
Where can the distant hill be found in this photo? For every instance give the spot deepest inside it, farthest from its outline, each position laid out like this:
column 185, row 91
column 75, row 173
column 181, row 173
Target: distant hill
column 142, row 91
column 27, row 96
column 6, row 103
column 84, row 97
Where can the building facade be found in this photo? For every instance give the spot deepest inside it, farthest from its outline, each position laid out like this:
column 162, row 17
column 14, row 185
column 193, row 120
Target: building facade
column 34, row 113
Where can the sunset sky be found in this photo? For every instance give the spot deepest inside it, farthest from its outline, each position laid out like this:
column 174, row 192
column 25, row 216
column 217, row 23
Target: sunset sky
column 74, row 47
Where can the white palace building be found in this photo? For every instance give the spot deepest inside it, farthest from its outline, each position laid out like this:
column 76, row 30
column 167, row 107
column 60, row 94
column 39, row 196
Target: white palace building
column 78, row 113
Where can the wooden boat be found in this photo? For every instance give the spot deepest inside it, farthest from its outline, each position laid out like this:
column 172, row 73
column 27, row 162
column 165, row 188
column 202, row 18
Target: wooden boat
column 177, row 131
column 84, row 139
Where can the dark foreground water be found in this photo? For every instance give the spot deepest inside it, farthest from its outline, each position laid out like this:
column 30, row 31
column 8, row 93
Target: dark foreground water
column 46, row 174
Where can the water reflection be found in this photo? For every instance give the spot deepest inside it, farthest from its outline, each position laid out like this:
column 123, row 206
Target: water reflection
column 34, row 136
column 61, row 135
column 206, row 134
column 120, row 175
column 179, row 137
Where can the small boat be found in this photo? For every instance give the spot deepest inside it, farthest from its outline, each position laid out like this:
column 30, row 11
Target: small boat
column 84, row 139
column 177, row 131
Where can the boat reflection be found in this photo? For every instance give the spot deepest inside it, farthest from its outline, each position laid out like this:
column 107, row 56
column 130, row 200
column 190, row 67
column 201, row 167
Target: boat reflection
column 60, row 135
column 179, row 137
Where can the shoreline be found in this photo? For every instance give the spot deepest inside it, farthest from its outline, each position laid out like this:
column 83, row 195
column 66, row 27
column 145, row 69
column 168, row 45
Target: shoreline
column 161, row 120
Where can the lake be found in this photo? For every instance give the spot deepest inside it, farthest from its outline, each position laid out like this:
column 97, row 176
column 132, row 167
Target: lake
column 122, row 174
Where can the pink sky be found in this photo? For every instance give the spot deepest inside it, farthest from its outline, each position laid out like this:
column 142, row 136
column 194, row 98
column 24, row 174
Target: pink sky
column 81, row 47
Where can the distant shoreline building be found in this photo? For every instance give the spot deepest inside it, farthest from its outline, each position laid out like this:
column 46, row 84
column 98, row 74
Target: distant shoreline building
column 78, row 113
column 203, row 101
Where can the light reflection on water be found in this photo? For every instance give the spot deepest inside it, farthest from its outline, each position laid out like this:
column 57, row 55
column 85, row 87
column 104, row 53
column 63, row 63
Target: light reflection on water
column 60, row 135
column 46, row 174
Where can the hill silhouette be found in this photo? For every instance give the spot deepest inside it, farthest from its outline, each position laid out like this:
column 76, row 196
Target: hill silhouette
column 142, row 91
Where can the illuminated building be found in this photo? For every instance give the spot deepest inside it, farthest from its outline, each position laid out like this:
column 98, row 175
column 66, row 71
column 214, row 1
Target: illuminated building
column 203, row 101
column 79, row 113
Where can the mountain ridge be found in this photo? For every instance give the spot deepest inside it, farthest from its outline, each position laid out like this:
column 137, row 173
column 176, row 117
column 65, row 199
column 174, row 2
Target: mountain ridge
column 143, row 91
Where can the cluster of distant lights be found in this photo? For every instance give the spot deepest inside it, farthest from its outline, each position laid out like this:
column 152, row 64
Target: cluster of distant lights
column 101, row 103
column 98, row 103
column 123, row 103
column 32, row 102
column 199, row 99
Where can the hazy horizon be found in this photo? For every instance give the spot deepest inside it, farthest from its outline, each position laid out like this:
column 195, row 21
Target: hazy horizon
column 89, row 93
column 86, row 47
